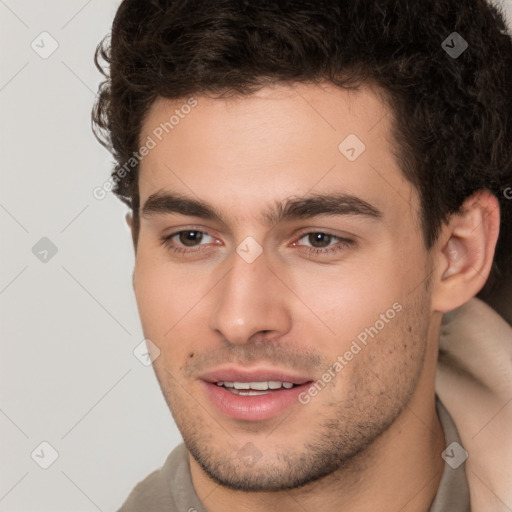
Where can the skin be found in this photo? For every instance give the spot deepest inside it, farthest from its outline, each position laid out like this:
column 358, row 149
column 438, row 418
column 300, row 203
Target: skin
column 371, row 438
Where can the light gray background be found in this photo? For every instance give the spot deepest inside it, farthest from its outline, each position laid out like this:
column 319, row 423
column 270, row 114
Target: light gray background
column 68, row 328
column 68, row 375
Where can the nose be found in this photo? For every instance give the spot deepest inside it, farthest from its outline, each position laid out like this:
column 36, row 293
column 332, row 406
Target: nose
column 249, row 301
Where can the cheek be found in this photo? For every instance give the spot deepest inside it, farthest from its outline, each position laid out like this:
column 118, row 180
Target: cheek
column 162, row 297
column 359, row 300
column 341, row 301
column 170, row 307
column 151, row 293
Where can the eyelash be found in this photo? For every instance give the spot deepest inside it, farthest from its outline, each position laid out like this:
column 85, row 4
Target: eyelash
column 342, row 244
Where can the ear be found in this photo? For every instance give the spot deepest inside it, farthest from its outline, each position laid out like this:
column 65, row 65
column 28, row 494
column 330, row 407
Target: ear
column 133, row 229
column 464, row 252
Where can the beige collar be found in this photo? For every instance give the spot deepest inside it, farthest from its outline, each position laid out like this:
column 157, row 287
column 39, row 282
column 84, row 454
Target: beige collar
column 474, row 381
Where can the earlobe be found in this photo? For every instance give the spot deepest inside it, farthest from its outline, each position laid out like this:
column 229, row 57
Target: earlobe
column 465, row 252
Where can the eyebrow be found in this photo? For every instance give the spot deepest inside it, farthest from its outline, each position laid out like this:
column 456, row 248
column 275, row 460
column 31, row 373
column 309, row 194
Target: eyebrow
column 294, row 208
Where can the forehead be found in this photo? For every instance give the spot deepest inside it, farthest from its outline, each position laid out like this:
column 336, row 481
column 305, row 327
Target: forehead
column 242, row 153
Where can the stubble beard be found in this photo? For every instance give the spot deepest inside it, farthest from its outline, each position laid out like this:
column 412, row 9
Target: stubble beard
column 338, row 436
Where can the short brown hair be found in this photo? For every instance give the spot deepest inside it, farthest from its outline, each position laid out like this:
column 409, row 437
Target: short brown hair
column 452, row 115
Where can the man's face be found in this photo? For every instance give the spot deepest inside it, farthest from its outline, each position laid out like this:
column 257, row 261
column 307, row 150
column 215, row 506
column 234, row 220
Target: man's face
column 280, row 286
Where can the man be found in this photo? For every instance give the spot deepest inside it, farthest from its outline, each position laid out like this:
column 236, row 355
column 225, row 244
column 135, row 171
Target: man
column 314, row 187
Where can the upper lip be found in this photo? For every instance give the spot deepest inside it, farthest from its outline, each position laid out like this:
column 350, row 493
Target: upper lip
column 237, row 374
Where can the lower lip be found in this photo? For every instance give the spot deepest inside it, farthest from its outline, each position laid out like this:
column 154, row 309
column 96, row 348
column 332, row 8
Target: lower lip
column 253, row 408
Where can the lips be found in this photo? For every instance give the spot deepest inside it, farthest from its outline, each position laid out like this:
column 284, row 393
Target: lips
column 253, row 395
column 254, row 375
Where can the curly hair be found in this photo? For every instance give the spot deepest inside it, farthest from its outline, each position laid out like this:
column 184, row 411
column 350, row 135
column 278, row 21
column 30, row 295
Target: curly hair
column 452, row 116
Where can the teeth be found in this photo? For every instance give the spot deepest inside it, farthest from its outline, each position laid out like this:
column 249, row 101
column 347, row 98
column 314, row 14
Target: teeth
column 242, row 385
column 248, row 392
column 258, row 386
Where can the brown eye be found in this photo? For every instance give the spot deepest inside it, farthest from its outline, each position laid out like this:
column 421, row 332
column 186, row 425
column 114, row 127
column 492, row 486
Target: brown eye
column 190, row 238
column 319, row 240
column 188, row 241
column 323, row 244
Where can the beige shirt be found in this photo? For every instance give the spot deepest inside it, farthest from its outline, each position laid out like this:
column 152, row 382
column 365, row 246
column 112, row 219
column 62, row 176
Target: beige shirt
column 170, row 488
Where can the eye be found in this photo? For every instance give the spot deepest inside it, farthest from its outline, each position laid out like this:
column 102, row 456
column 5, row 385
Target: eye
column 192, row 239
column 319, row 242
